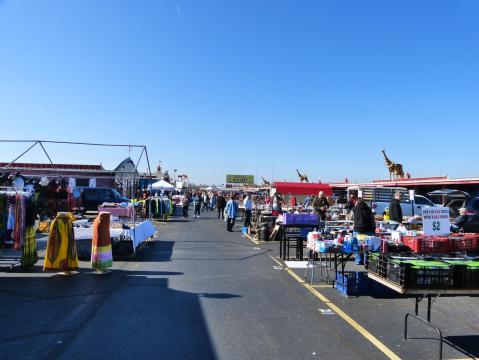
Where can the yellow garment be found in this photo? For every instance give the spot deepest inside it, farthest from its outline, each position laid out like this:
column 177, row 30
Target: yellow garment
column 362, row 237
column 61, row 247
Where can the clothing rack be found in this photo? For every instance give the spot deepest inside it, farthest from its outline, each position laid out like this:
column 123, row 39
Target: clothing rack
column 13, row 191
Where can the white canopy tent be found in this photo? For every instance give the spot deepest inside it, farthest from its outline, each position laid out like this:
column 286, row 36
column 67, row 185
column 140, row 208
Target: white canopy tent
column 162, row 185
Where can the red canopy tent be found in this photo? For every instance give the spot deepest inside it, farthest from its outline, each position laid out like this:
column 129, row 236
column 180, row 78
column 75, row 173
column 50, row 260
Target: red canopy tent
column 298, row 188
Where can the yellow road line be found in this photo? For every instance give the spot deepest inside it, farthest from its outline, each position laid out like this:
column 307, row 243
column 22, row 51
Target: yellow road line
column 370, row 337
column 251, row 239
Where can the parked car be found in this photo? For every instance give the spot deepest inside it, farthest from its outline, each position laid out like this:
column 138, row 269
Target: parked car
column 379, row 198
column 466, row 223
column 456, row 200
column 88, row 199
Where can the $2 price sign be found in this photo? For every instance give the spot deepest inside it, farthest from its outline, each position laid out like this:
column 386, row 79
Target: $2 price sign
column 436, row 220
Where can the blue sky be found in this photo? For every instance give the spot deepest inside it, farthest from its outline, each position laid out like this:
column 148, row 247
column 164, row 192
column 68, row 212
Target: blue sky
column 248, row 87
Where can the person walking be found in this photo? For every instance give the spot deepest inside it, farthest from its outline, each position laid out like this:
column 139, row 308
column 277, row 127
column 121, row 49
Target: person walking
column 213, row 199
column 197, row 204
column 206, row 202
column 231, row 213
column 186, row 203
column 248, row 210
column 220, row 206
column 395, row 211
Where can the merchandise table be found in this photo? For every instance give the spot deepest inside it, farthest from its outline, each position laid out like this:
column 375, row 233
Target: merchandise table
column 285, row 238
column 334, row 261
column 118, row 211
column 136, row 235
column 419, row 295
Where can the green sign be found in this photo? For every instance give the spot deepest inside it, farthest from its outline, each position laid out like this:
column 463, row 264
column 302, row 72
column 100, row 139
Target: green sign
column 239, row 179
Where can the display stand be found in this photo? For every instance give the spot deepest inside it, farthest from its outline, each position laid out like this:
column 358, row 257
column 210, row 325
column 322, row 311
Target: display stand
column 284, row 240
column 419, row 295
column 12, row 191
column 323, row 265
column 333, row 261
column 143, row 148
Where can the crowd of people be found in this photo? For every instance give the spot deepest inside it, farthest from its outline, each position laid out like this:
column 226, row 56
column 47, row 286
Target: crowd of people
column 227, row 205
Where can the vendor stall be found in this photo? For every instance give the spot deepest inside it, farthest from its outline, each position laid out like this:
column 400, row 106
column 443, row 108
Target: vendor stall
column 125, row 211
column 125, row 241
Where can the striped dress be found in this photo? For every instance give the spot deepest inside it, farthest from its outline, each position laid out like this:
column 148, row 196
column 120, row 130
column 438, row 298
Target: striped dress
column 101, row 255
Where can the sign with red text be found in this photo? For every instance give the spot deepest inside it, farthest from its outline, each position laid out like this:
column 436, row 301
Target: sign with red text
column 436, row 220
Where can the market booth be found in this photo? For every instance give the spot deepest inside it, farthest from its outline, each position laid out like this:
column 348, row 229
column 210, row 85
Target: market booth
column 299, row 188
column 423, row 262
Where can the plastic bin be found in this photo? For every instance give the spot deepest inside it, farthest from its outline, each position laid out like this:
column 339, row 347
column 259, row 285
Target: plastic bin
column 466, row 272
column 421, row 274
column 428, row 245
column 352, row 283
column 464, row 242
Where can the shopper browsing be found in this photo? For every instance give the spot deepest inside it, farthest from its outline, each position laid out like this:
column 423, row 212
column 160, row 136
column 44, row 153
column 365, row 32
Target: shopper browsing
column 395, row 211
column 321, row 205
column 186, row 203
column 206, row 202
column 231, row 213
column 292, row 201
column 220, row 206
column 197, row 204
column 248, row 210
column 363, row 217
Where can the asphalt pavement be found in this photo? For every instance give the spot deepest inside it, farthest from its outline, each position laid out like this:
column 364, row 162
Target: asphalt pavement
column 200, row 292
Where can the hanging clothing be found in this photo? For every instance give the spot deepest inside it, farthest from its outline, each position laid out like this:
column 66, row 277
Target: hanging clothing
column 19, row 227
column 101, row 255
column 3, row 217
column 10, row 221
column 11, row 214
column 61, row 247
column 30, row 254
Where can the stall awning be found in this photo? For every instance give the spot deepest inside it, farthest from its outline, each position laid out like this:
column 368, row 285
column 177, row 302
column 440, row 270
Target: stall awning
column 297, row 188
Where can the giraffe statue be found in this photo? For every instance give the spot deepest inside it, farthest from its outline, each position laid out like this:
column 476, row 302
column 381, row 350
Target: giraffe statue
column 395, row 170
column 265, row 182
column 302, row 177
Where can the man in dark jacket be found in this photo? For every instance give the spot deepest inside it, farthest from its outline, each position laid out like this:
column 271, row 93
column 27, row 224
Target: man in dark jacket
column 395, row 211
column 220, row 206
column 364, row 222
column 321, row 205
column 350, row 204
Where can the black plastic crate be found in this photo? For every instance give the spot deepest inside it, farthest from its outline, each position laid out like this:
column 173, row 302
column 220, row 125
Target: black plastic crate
column 466, row 277
column 377, row 264
column 425, row 277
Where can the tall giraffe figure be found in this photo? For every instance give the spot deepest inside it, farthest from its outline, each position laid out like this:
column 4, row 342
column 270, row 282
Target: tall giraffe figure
column 265, row 182
column 395, row 170
column 302, row 177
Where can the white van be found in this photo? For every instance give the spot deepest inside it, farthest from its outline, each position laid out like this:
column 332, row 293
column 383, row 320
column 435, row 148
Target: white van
column 379, row 197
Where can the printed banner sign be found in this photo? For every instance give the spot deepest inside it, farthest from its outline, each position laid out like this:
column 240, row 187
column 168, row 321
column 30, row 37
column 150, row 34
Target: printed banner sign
column 240, row 179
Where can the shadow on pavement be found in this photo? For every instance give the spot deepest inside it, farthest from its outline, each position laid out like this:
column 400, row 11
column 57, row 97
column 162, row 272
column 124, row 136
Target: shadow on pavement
column 467, row 344
column 123, row 314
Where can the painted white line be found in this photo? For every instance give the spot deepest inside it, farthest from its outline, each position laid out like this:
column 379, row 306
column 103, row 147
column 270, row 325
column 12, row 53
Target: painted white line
column 327, row 312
